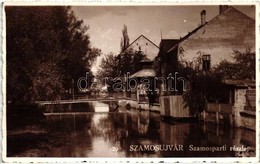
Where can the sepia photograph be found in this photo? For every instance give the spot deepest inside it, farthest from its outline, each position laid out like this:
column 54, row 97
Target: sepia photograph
column 130, row 81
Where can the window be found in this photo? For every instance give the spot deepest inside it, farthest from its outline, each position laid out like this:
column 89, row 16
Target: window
column 206, row 62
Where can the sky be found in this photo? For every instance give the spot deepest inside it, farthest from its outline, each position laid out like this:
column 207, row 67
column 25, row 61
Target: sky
column 155, row 22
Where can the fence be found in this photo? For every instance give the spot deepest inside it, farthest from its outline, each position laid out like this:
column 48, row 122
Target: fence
column 218, row 113
column 173, row 106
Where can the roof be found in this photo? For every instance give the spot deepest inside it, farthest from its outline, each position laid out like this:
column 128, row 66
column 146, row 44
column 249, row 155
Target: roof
column 166, row 44
column 186, row 36
column 137, row 39
column 230, row 8
column 146, row 60
column 241, row 83
column 144, row 73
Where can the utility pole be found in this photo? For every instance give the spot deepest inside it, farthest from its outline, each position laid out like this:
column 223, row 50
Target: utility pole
column 72, row 88
column 161, row 33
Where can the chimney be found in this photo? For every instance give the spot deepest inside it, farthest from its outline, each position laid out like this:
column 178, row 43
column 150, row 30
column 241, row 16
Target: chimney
column 203, row 17
column 222, row 8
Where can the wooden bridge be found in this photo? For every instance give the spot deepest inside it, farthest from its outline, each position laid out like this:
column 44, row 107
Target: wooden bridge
column 75, row 101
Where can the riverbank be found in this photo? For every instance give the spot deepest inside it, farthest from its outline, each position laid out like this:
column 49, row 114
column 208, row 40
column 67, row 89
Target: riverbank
column 24, row 115
column 25, row 128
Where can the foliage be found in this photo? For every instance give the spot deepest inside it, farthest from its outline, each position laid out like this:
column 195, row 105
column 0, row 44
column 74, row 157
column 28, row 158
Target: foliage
column 118, row 66
column 129, row 62
column 209, row 87
column 205, row 87
column 47, row 47
column 108, row 66
column 243, row 67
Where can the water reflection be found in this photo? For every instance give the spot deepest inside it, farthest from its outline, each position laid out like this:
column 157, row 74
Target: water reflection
column 115, row 134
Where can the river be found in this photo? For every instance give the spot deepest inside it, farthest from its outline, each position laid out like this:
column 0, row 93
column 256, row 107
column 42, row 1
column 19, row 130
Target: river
column 96, row 130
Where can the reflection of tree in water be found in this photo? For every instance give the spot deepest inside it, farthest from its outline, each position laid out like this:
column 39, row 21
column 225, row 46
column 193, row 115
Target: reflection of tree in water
column 63, row 127
column 70, row 130
column 69, row 123
column 76, row 107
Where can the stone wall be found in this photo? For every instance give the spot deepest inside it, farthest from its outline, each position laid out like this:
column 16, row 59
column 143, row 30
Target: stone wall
column 248, row 119
column 239, row 104
column 243, row 118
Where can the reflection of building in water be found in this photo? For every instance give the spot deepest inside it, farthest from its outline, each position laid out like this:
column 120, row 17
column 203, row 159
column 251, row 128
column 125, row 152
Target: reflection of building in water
column 143, row 129
column 219, row 135
column 171, row 134
column 208, row 135
column 143, row 122
column 139, row 121
column 216, row 134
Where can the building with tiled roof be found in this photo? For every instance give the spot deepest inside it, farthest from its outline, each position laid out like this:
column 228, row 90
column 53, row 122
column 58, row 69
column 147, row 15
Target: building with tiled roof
column 217, row 39
column 205, row 47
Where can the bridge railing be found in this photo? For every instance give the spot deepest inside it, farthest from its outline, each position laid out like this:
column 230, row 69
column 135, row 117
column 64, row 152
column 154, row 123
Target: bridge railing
column 100, row 95
column 86, row 97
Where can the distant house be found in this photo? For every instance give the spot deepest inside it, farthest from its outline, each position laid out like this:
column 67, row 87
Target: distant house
column 150, row 50
column 142, row 43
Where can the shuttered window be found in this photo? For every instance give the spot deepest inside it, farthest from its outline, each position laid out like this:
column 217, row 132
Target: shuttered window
column 206, row 62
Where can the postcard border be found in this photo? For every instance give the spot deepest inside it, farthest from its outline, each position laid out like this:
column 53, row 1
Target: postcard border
column 130, row 160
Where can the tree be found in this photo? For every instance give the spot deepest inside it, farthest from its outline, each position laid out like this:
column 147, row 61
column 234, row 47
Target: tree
column 124, row 40
column 116, row 67
column 31, row 46
column 231, row 71
column 129, row 61
column 108, row 66
column 47, row 47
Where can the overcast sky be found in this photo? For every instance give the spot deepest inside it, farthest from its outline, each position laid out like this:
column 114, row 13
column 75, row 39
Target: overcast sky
column 106, row 22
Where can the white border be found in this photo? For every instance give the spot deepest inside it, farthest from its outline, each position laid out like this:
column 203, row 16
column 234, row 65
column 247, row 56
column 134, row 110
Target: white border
column 129, row 160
